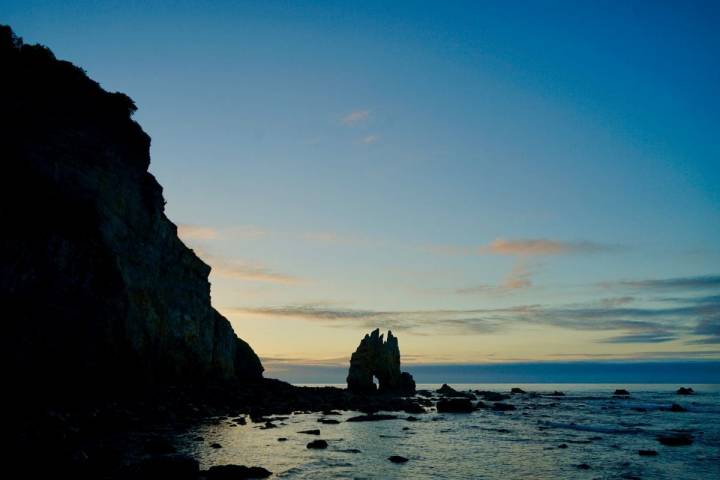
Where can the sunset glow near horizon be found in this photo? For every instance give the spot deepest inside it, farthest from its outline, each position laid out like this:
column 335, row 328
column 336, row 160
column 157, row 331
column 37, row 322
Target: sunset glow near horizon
column 492, row 183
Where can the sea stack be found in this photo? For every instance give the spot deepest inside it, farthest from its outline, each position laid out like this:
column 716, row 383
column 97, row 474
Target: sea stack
column 381, row 359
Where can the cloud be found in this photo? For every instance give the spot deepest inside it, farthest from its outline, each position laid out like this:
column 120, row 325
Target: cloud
column 634, row 325
column 370, row 139
column 356, row 117
column 701, row 282
column 189, row 232
column 541, row 247
column 249, row 272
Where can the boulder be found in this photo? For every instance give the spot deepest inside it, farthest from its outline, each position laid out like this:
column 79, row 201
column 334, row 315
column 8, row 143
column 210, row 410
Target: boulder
column 446, row 390
column 397, row 459
column 675, row 440
column 235, row 472
column 517, row 390
column 317, row 444
column 455, row 405
column 621, row 392
column 685, row 391
column 375, row 357
column 371, row 418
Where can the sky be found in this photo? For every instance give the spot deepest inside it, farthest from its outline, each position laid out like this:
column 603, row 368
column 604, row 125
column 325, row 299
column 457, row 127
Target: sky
column 496, row 183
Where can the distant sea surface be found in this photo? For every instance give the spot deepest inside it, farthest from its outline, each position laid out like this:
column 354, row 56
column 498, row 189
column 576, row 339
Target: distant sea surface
column 587, row 434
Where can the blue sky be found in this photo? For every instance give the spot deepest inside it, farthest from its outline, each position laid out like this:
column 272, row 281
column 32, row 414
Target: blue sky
column 494, row 182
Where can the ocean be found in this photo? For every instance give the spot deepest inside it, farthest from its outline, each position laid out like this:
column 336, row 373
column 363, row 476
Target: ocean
column 587, row 434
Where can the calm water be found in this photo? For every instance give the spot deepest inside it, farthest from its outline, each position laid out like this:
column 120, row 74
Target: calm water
column 599, row 430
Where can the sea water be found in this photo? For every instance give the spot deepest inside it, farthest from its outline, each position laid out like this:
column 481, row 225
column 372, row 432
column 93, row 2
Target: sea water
column 546, row 437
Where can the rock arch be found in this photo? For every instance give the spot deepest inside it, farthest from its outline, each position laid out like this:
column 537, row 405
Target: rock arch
column 377, row 357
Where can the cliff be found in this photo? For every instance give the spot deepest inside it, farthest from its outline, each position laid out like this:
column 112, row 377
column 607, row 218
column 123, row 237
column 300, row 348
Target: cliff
column 95, row 285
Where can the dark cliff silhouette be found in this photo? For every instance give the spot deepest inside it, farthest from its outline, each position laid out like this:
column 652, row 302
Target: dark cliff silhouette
column 95, row 285
column 381, row 359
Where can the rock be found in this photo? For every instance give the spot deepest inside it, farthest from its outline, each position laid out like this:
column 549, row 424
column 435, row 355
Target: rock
column 556, row 394
column 685, row 391
column 675, row 440
column 180, row 467
column 503, row 407
column 621, row 392
column 647, row 453
column 563, row 445
column 397, row 459
column 103, row 291
column 268, row 425
column 677, row 408
column 480, row 405
column 412, row 419
column 446, row 390
column 455, row 405
column 235, row 472
column 215, row 445
column 517, row 390
column 350, row 450
column 158, row 446
column 414, row 408
column 371, row 418
column 583, row 466
column 492, row 396
column 379, row 358
column 310, row 432
column 328, row 421
column 317, row 444
column 282, row 439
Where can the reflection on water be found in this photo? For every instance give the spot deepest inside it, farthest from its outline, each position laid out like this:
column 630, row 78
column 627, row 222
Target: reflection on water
column 546, row 437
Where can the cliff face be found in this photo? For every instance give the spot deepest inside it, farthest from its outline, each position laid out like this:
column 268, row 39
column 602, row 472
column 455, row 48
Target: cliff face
column 94, row 282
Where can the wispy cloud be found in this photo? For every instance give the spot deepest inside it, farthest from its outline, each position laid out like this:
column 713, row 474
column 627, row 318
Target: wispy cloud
column 701, row 282
column 358, row 116
column 541, row 247
column 250, row 272
column 370, row 139
column 189, row 232
column 633, row 325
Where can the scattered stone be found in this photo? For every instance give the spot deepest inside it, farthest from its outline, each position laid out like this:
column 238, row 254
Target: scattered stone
column 198, row 438
column 446, row 390
column 371, row 418
column 621, row 392
column 647, row 453
column 517, row 390
column 350, row 450
column 328, row 421
column 675, row 440
column 282, row 439
column 583, row 466
column 563, row 445
column 331, row 412
column 317, row 444
column 235, row 472
column 481, row 405
column 685, row 391
column 268, row 425
column 414, row 408
column 240, row 421
column 310, row 432
column 503, row 407
column 557, row 393
column 158, row 446
column 677, row 408
column 455, row 405
column 215, row 445
column 181, row 467
column 492, row 396
column 397, row 459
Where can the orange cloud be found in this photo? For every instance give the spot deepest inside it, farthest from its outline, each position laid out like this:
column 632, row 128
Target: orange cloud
column 539, row 247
